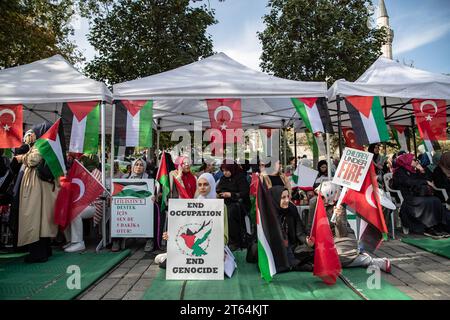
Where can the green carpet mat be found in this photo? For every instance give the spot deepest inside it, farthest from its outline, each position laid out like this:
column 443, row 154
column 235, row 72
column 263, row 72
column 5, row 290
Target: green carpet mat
column 13, row 255
column 358, row 277
column 246, row 284
column 440, row 246
column 48, row 281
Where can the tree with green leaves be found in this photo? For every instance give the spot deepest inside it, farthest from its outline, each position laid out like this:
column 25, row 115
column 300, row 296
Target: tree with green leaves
column 31, row 30
column 140, row 38
column 320, row 40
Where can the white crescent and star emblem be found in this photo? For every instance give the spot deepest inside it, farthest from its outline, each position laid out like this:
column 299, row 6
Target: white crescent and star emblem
column 431, row 103
column 226, row 109
column 369, row 193
column 82, row 188
column 10, row 112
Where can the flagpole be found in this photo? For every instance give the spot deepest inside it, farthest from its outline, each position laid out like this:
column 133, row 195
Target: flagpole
column 103, row 163
column 328, row 156
column 157, row 139
column 414, row 135
column 338, row 105
column 284, row 142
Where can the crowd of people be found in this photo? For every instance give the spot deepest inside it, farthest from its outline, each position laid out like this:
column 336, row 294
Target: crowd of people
column 29, row 195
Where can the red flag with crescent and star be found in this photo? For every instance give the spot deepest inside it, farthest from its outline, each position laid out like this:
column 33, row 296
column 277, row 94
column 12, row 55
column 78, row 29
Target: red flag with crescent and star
column 431, row 118
column 11, row 125
column 79, row 190
column 226, row 116
column 350, row 139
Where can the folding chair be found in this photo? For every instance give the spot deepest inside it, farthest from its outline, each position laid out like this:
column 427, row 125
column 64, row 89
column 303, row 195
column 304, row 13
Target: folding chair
column 396, row 200
column 444, row 194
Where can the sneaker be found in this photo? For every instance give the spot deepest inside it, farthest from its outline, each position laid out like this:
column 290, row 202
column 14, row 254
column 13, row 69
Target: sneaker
column 382, row 263
column 430, row 232
column 149, row 245
column 76, row 247
column 160, row 258
column 68, row 244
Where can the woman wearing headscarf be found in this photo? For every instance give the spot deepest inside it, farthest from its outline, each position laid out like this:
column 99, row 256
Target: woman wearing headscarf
column 138, row 168
column 421, row 212
column 36, row 206
column 322, row 176
column 234, row 189
column 441, row 173
column 277, row 178
column 182, row 182
column 300, row 254
column 378, row 161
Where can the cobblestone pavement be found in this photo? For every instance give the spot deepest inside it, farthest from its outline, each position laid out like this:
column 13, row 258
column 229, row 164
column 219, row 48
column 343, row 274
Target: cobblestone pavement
column 418, row 273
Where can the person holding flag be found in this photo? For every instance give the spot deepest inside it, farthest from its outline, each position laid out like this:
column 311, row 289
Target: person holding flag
column 344, row 236
column 38, row 195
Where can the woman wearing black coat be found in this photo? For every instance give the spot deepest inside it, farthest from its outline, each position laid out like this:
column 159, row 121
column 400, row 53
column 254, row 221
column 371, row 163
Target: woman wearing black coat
column 421, row 212
column 300, row 254
column 234, row 189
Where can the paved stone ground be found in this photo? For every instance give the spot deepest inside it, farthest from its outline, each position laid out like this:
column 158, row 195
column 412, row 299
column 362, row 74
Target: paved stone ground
column 418, row 273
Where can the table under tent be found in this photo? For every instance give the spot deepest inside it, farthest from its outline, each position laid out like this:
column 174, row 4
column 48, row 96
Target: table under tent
column 44, row 86
column 396, row 85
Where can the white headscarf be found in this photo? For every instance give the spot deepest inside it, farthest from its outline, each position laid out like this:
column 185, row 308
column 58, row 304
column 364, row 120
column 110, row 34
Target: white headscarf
column 143, row 175
column 212, row 183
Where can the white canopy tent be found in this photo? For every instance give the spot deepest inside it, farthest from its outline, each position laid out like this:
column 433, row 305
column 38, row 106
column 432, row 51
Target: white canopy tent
column 180, row 95
column 396, row 84
column 43, row 86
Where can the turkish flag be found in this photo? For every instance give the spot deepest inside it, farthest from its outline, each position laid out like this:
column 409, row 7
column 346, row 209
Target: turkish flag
column 366, row 202
column 350, row 139
column 80, row 189
column 11, row 125
column 226, row 116
column 431, row 118
column 327, row 265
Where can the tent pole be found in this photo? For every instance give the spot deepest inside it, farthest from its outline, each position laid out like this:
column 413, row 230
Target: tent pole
column 414, row 135
column 328, row 156
column 295, row 146
column 103, row 164
column 338, row 104
column 284, row 143
column 385, row 116
column 157, row 140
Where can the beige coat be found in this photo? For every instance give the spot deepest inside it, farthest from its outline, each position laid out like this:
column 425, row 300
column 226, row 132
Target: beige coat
column 37, row 203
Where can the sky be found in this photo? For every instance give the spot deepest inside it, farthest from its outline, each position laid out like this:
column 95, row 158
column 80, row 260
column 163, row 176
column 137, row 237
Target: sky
column 421, row 32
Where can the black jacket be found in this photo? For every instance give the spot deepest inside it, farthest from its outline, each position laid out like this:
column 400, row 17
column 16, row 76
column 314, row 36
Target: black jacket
column 410, row 184
column 237, row 186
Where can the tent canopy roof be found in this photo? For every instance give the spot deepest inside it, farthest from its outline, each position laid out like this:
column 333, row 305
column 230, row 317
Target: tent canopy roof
column 217, row 76
column 388, row 78
column 180, row 95
column 49, row 80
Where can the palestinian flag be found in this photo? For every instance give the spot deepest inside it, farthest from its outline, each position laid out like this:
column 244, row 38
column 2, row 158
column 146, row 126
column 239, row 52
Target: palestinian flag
column 81, row 124
column 51, row 149
column 314, row 113
column 316, row 143
column 400, row 134
column 131, row 189
column 367, row 119
column 272, row 253
column 133, row 123
column 163, row 178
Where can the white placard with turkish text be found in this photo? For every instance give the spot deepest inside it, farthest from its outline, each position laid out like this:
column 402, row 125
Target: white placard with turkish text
column 132, row 208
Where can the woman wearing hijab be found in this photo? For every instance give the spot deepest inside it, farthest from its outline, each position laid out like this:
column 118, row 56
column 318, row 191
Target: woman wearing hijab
column 322, row 176
column 138, row 168
column 300, row 254
column 206, row 189
column 182, row 182
column 234, row 189
column 441, row 173
column 36, row 206
column 421, row 212
column 277, row 178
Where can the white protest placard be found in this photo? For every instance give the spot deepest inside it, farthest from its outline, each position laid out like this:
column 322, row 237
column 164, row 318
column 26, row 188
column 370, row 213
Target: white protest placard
column 353, row 168
column 305, row 176
column 195, row 249
column 132, row 208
